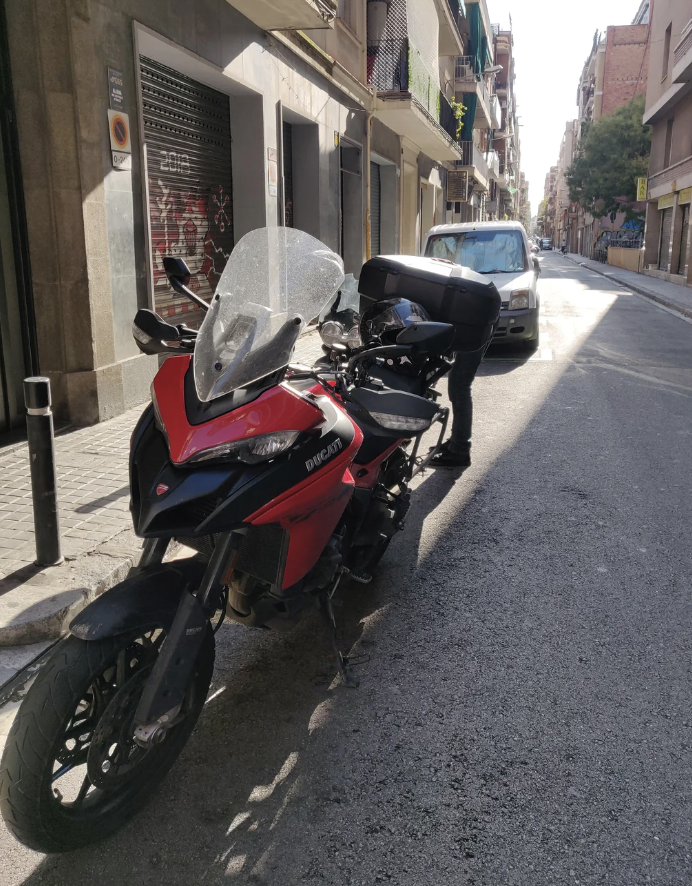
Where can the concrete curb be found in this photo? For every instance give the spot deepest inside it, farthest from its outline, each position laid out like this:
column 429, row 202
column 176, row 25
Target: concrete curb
column 40, row 606
column 640, row 290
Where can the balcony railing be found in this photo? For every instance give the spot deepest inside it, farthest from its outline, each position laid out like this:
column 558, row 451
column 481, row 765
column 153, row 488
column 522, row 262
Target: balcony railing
column 447, row 120
column 685, row 43
column 465, row 71
column 455, row 8
column 388, row 71
column 493, row 163
column 388, row 65
column 471, row 156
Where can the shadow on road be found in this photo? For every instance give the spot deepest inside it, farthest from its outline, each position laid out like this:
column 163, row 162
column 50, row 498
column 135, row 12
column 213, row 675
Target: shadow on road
column 242, row 769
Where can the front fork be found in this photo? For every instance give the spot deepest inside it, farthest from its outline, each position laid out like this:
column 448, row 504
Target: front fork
column 164, row 692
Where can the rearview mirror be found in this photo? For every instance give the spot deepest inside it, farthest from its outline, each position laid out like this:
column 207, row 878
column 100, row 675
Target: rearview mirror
column 536, row 264
column 176, row 270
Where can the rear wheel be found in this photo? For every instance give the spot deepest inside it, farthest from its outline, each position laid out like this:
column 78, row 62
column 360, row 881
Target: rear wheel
column 72, row 772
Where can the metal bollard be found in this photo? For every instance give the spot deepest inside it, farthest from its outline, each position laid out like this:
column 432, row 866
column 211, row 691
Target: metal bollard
column 39, row 428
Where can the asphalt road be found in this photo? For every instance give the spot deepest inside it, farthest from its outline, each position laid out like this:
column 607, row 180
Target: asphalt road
column 524, row 717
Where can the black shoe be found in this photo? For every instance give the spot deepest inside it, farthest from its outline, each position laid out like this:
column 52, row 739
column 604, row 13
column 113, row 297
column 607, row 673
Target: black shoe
column 447, row 459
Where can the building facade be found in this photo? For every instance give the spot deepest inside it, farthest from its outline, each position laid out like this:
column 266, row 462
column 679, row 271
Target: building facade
column 614, row 74
column 134, row 131
column 669, row 111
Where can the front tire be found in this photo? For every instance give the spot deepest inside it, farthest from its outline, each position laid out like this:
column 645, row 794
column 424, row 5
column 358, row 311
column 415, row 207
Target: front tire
column 47, row 796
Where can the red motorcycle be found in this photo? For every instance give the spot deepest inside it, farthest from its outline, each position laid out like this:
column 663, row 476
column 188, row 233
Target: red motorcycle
column 284, row 479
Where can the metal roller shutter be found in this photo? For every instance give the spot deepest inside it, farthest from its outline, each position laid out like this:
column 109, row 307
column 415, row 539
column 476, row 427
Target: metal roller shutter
column 187, row 131
column 375, row 204
column 666, row 230
column 288, row 174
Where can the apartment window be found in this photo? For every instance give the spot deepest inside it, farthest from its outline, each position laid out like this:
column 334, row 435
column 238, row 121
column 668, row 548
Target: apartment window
column 642, row 17
column 666, row 50
column 346, row 13
column 669, row 143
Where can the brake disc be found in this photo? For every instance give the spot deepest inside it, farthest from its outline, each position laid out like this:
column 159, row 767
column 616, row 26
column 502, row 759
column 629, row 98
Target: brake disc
column 114, row 755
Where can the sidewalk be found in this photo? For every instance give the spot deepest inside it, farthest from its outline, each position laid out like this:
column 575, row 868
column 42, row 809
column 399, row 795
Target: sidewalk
column 98, row 543
column 670, row 295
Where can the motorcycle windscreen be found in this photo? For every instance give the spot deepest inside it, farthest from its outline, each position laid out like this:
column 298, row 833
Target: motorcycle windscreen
column 276, row 281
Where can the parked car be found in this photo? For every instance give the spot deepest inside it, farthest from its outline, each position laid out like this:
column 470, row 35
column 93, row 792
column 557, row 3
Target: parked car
column 501, row 250
column 546, row 243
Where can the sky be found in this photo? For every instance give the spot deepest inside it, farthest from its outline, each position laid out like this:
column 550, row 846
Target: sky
column 552, row 40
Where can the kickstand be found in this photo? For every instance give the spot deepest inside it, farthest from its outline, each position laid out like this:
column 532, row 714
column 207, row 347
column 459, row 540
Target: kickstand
column 347, row 675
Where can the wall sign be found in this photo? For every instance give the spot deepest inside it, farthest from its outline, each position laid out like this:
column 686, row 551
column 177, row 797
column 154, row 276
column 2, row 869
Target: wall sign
column 121, row 161
column 272, row 172
column 116, row 90
column 685, row 197
column 666, row 202
column 641, row 189
column 458, row 186
column 119, row 131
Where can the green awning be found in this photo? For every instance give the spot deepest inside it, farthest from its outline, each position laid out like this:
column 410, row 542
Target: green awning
column 469, row 118
column 476, row 49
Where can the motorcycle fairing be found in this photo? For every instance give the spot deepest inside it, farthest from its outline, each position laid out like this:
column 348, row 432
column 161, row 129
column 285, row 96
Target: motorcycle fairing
column 277, row 409
column 303, row 491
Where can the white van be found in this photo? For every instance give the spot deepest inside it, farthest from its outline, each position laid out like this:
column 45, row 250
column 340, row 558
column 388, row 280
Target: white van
column 502, row 251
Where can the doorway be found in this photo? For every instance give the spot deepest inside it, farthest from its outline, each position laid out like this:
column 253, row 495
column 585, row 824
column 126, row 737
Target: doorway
column 664, row 243
column 18, row 355
column 683, row 260
column 351, row 206
column 427, row 210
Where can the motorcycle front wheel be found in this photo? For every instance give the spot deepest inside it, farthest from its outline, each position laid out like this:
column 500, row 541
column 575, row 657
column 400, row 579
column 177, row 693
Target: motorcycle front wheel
column 71, row 772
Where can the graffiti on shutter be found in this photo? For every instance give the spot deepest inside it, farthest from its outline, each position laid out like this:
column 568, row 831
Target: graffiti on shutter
column 288, row 174
column 187, row 131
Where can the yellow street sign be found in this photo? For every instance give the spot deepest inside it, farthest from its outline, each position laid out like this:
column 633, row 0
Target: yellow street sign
column 641, row 189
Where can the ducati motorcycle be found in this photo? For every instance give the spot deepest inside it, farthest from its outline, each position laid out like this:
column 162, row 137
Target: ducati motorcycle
column 283, row 480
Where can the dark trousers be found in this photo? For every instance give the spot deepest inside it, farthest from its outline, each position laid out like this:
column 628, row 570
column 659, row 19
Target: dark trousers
column 461, row 377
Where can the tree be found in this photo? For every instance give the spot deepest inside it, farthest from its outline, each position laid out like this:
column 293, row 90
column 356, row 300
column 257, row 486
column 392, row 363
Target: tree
column 613, row 153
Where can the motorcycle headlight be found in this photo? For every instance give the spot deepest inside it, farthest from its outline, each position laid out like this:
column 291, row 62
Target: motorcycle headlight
column 251, row 450
column 400, row 422
column 519, row 299
column 332, row 332
column 353, row 339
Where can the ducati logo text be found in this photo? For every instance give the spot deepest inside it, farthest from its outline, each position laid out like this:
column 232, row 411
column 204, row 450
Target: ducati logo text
column 323, row 456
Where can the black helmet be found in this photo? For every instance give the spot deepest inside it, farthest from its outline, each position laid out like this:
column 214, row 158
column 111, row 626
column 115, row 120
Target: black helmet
column 384, row 320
